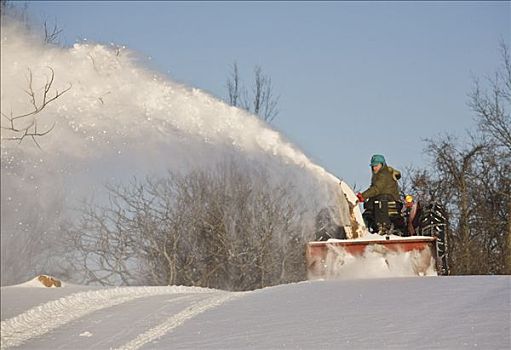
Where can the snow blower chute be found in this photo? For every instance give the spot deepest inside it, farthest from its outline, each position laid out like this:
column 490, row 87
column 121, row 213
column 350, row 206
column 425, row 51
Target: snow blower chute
column 413, row 242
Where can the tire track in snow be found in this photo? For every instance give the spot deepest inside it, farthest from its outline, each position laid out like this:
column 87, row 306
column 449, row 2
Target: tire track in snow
column 178, row 319
column 53, row 314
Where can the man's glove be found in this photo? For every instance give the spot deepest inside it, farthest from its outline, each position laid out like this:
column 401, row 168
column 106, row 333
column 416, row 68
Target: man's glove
column 360, row 197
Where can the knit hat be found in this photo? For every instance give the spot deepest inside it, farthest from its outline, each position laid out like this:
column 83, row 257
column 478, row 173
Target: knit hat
column 377, row 159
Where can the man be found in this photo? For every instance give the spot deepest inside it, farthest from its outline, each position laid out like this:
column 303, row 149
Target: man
column 381, row 200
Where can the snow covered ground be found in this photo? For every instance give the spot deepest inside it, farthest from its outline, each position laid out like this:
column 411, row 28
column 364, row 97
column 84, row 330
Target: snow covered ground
column 405, row 313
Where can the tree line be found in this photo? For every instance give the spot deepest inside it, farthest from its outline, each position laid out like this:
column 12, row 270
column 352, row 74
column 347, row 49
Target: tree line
column 229, row 227
column 472, row 179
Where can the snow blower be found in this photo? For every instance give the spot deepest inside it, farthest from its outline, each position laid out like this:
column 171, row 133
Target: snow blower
column 402, row 241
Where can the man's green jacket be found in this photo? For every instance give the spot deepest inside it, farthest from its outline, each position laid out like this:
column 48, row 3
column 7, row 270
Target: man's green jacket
column 384, row 182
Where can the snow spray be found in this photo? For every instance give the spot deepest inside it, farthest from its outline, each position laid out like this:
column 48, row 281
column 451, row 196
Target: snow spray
column 376, row 261
column 117, row 121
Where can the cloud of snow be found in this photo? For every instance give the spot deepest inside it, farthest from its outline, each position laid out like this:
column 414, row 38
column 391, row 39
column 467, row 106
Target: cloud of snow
column 119, row 120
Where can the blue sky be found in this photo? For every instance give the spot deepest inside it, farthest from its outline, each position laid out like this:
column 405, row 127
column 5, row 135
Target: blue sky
column 354, row 78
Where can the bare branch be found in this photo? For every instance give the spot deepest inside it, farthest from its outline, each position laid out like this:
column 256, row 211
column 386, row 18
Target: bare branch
column 25, row 125
column 51, row 35
column 261, row 102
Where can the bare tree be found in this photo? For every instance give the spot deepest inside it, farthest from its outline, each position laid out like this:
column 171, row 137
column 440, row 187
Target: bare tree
column 457, row 172
column 226, row 228
column 261, row 101
column 492, row 105
column 264, row 103
column 9, row 10
column 51, row 34
column 234, row 86
column 473, row 181
column 26, row 124
column 472, row 187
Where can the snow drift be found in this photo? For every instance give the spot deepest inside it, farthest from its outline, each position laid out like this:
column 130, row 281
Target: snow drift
column 390, row 313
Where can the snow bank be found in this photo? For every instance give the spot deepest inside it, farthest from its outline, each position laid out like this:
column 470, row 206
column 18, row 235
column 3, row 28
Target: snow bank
column 53, row 314
column 383, row 313
column 472, row 312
